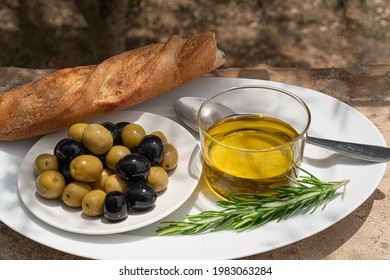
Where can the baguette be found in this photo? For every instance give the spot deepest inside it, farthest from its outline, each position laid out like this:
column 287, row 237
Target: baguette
column 78, row 94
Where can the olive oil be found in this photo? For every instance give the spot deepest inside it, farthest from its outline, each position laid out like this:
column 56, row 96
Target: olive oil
column 249, row 154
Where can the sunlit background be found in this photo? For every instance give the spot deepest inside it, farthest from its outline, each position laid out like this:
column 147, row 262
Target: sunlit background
column 281, row 33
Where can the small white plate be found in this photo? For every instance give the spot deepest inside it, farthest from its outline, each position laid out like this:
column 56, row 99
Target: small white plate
column 56, row 213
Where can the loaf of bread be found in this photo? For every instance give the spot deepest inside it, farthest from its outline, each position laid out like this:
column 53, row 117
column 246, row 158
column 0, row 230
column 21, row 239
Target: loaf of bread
column 78, row 94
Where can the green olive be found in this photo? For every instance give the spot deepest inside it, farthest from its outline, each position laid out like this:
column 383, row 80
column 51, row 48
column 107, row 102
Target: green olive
column 74, row 193
column 45, row 162
column 76, row 131
column 114, row 155
column 100, row 183
column 116, row 183
column 132, row 135
column 170, row 158
column 157, row 178
column 86, row 168
column 50, row 184
column 161, row 135
column 92, row 203
column 97, row 139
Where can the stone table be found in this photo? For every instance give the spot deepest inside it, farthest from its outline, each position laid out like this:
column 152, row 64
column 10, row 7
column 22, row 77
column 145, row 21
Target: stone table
column 364, row 234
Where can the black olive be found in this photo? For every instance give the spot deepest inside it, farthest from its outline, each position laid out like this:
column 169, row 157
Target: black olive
column 112, row 128
column 141, row 196
column 63, row 168
column 67, row 149
column 102, row 159
column 133, row 167
column 120, row 126
column 116, row 206
column 152, row 147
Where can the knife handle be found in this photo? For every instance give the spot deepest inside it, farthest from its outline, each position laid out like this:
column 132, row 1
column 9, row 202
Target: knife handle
column 355, row 150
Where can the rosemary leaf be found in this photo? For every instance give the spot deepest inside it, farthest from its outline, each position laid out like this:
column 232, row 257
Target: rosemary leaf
column 245, row 211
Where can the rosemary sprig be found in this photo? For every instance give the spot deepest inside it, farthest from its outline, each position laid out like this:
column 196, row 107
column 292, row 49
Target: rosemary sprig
column 246, row 211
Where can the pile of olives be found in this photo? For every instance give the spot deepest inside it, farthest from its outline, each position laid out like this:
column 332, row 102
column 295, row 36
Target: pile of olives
column 107, row 169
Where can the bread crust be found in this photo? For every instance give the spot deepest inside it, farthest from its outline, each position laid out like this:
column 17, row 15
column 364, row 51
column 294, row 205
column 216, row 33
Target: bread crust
column 78, row 94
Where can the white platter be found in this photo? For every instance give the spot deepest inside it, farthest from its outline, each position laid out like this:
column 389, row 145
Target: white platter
column 55, row 213
column 330, row 119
